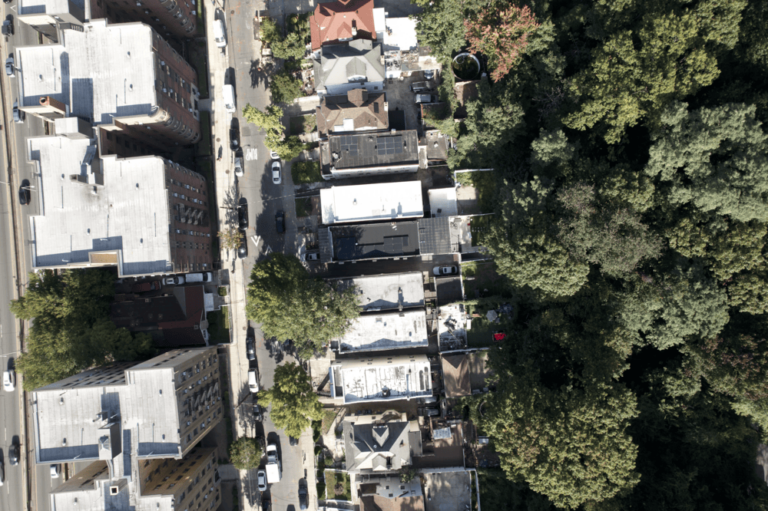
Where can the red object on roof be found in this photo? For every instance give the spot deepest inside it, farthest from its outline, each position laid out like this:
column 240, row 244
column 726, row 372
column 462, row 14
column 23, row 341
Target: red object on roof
column 499, row 336
column 344, row 19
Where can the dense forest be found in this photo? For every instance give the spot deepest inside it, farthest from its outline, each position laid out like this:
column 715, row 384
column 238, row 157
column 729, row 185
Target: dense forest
column 630, row 192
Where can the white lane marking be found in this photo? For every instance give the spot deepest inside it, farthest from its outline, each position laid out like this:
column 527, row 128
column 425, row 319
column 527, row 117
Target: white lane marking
column 251, row 154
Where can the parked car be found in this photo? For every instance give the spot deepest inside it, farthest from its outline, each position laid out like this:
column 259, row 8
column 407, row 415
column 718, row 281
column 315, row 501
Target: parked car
column 258, row 412
column 239, row 169
column 253, row 381
column 303, row 497
column 234, row 135
column 242, row 250
column 10, row 67
column 145, row 287
column 276, row 179
column 13, row 451
column 24, row 194
column 274, row 155
column 280, row 221
column 9, row 380
column 445, row 270
column 426, row 98
column 173, row 281
column 2, row 470
column 421, row 87
column 250, row 348
column 261, row 478
column 55, row 471
column 429, row 74
column 18, row 114
column 8, row 26
column 242, row 216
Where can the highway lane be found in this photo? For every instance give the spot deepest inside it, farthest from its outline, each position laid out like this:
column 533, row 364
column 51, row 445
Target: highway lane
column 17, row 134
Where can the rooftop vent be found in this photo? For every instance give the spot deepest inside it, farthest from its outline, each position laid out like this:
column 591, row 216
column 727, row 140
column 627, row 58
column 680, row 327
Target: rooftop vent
column 114, row 490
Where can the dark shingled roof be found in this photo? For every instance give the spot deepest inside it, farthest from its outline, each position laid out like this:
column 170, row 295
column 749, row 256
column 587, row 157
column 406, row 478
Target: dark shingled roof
column 371, row 241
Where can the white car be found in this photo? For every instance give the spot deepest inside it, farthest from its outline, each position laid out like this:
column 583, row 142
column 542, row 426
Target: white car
column 239, row 166
column 261, row 478
column 274, row 155
column 445, row 270
column 173, row 281
column 9, row 381
column 55, row 471
column 276, row 172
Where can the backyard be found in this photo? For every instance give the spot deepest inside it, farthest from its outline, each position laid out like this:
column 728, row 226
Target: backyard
column 304, row 172
column 218, row 325
column 303, row 207
column 484, row 184
column 302, row 124
column 481, row 279
column 481, row 333
column 337, row 485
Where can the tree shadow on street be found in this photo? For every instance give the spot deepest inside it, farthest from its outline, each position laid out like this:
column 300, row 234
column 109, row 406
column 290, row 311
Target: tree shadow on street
column 258, row 73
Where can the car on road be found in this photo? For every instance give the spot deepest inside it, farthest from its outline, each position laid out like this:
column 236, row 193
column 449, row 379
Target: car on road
column 293, row 441
column 242, row 250
column 9, row 66
column 445, row 270
column 173, row 281
column 18, row 114
column 13, row 451
column 55, row 471
column 261, row 479
column 9, row 380
column 303, row 496
column 276, row 178
column 280, row 221
column 242, row 216
column 8, row 26
column 234, row 136
column 253, row 381
column 258, row 412
column 2, row 470
column 250, row 348
column 24, row 195
column 274, row 155
column 239, row 169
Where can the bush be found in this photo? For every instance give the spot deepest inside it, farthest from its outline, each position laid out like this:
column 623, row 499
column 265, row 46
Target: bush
column 304, row 172
column 285, row 88
column 222, row 291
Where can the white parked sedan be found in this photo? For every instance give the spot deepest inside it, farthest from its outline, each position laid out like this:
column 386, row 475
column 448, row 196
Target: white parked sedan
column 276, row 172
column 445, row 270
column 274, row 155
column 9, row 381
column 55, row 471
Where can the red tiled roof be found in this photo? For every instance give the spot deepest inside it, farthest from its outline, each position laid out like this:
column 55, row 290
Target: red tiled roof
column 334, row 20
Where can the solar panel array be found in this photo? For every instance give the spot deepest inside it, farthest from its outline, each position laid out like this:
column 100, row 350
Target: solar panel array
column 389, row 145
column 349, row 145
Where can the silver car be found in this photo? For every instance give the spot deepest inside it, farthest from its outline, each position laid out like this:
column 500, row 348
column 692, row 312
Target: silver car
column 276, row 179
column 261, row 478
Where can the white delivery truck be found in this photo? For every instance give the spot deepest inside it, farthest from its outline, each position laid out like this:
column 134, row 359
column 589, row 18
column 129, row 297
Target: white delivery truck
column 219, row 34
column 229, row 98
column 199, row 277
column 274, row 468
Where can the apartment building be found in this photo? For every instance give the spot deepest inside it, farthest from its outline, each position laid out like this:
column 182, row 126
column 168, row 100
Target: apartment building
column 170, row 18
column 140, row 425
column 125, row 79
column 145, row 215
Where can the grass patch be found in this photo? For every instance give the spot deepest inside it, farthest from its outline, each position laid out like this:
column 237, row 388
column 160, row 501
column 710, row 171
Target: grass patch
column 303, row 124
column 320, row 490
column 485, row 184
column 197, row 54
column 481, row 276
column 304, row 172
column 222, row 291
column 328, row 416
column 218, row 325
column 316, row 425
column 303, row 207
column 481, row 333
column 204, row 145
column 338, row 485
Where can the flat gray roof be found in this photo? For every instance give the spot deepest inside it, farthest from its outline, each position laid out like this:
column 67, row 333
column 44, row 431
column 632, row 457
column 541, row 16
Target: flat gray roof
column 128, row 213
column 103, row 72
column 394, row 330
column 363, row 150
column 29, row 7
column 386, row 292
column 382, row 378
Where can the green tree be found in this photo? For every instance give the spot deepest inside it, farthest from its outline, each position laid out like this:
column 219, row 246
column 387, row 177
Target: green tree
column 269, row 120
column 292, row 47
column 290, row 304
column 288, row 148
column 231, row 238
column 269, row 31
column 245, row 453
column 71, row 330
column 294, row 405
column 441, row 25
column 285, row 88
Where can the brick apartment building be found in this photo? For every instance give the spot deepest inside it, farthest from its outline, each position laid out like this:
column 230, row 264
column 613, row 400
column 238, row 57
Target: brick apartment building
column 125, row 79
column 145, row 215
column 177, row 18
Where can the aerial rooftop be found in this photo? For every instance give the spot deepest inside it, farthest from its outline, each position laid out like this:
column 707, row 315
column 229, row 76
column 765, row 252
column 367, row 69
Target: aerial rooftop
column 385, row 292
column 394, row 330
column 356, row 110
column 99, row 211
column 363, row 150
column 365, row 203
column 381, row 379
column 370, row 241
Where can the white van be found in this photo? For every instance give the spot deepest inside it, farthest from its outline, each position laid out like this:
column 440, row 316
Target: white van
column 199, row 277
column 229, row 98
column 219, row 34
column 253, row 382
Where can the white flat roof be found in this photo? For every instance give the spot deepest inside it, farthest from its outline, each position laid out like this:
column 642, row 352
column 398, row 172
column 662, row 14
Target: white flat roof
column 365, row 203
column 452, row 327
column 395, row 330
column 382, row 379
column 128, row 213
column 401, row 35
column 442, row 202
column 104, row 71
column 386, row 292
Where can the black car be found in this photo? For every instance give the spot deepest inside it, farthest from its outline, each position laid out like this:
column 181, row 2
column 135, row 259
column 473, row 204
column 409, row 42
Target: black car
column 8, row 26
column 234, row 135
column 13, row 451
column 280, row 221
column 257, row 413
column 242, row 216
column 10, row 66
column 303, row 497
column 294, row 441
column 242, row 250
column 18, row 114
column 24, row 195
column 250, row 348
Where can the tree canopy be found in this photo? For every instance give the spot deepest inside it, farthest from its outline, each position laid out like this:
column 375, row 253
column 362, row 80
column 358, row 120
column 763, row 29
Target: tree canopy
column 290, row 304
column 294, row 404
column 71, row 330
column 245, row 454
